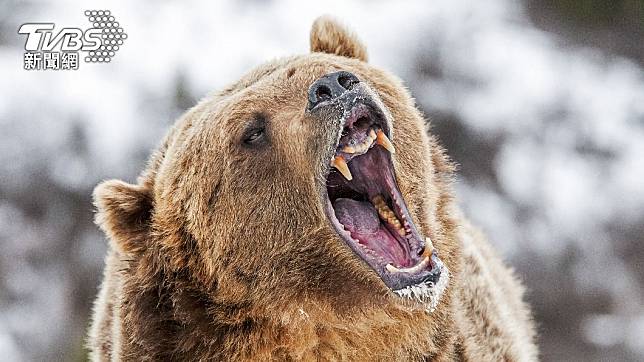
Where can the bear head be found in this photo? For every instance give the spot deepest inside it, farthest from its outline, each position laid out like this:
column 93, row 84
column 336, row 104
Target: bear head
column 309, row 192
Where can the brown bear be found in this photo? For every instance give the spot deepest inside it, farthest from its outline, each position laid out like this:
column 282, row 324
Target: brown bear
column 303, row 212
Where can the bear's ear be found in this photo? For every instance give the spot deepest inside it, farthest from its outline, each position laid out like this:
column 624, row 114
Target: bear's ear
column 123, row 213
column 328, row 36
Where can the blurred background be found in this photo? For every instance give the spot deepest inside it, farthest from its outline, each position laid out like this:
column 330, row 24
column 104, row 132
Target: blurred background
column 541, row 103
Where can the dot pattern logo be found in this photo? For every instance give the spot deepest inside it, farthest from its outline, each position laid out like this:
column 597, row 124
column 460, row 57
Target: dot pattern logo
column 112, row 36
column 49, row 47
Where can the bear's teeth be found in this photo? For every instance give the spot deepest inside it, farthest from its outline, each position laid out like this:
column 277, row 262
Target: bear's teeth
column 339, row 163
column 392, row 269
column 414, row 269
column 386, row 214
column 381, row 139
column 429, row 247
column 349, row 149
column 361, row 147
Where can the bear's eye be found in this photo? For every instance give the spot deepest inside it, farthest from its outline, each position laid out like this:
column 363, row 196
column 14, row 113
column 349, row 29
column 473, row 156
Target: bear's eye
column 254, row 136
column 255, row 133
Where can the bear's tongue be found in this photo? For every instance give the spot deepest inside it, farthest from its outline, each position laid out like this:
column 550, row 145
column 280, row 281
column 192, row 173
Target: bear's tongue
column 362, row 221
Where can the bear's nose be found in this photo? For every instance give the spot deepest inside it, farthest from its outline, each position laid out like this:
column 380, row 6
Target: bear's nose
column 331, row 86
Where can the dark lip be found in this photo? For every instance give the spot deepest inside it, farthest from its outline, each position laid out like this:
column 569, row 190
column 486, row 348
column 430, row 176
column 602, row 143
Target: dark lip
column 356, row 104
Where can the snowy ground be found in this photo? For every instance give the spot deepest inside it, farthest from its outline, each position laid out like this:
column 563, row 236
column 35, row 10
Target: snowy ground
column 549, row 138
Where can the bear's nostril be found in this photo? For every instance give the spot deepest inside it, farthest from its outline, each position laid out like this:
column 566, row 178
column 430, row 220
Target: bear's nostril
column 323, row 93
column 330, row 87
column 347, row 82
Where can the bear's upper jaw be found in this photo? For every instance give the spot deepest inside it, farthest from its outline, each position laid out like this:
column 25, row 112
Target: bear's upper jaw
column 369, row 213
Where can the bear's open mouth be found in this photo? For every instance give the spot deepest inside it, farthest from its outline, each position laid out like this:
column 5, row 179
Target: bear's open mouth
column 369, row 213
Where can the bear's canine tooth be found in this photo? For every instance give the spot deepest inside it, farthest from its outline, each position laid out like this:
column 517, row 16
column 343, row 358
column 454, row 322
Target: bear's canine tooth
column 381, row 139
column 414, row 269
column 429, row 247
column 341, row 165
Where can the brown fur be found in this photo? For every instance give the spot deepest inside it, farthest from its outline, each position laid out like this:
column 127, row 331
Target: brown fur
column 221, row 252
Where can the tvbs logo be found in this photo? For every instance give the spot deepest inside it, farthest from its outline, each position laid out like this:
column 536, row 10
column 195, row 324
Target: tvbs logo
column 39, row 37
column 59, row 50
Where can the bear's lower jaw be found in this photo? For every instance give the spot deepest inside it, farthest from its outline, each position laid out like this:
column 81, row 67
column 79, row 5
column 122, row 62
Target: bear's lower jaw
column 367, row 210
